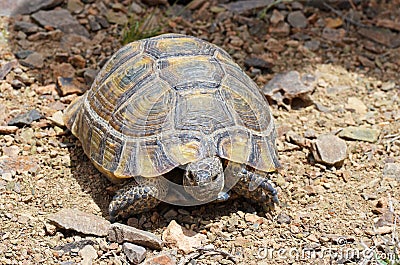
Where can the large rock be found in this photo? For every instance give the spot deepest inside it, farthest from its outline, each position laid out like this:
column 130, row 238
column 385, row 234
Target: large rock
column 185, row 240
column 60, row 19
column 134, row 253
column 123, row 233
column 88, row 254
column 15, row 7
column 329, row 150
column 290, row 89
column 73, row 219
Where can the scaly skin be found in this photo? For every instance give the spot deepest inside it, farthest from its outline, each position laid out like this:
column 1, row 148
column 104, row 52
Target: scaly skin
column 205, row 178
column 140, row 195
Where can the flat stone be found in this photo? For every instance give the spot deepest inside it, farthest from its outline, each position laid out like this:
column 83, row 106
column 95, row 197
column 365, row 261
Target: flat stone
column 382, row 36
column 297, row 19
column 16, row 84
column 14, row 7
column 67, row 86
column 253, row 218
column 283, row 218
column 45, row 90
column 19, row 163
column 384, row 230
column 54, row 35
column 329, row 149
column 360, row 133
column 134, row 253
column 11, row 151
column 276, row 17
column 175, row 235
column 116, row 17
column 274, row 45
column 136, row 8
column 5, row 129
column 78, row 61
column 66, row 248
column 57, row 118
column 22, row 54
column 122, row 233
column 161, row 259
column 247, row 5
column 89, row 75
column 282, row 29
column 60, row 19
column 333, row 22
column 356, row 105
column 64, row 70
column 88, row 254
column 257, row 63
column 170, row 214
column 34, row 60
column 27, row 135
column 312, row 45
column 388, row 86
column 6, row 68
column 392, row 170
column 75, row 6
column 334, row 35
column 73, row 219
column 25, row 118
column 103, row 22
column 26, row 27
column 94, row 25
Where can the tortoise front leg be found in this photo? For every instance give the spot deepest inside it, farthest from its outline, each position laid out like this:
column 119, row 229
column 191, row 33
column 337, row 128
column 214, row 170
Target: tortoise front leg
column 251, row 184
column 140, row 195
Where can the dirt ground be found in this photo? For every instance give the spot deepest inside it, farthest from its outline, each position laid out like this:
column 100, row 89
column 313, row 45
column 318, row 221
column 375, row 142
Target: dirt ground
column 342, row 214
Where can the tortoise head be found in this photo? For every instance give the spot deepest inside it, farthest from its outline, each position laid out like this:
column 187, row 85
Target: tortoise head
column 204, row 179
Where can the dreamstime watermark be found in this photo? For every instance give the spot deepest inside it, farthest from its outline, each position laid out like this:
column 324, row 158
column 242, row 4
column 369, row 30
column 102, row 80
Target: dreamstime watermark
column 343, row 253
column 339, row 252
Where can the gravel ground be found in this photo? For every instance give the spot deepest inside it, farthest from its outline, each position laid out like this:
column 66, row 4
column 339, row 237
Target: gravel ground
column 327, row 215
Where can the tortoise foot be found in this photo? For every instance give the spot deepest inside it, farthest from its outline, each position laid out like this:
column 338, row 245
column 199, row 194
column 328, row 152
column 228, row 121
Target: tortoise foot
column 253, row 185
column 140, row 195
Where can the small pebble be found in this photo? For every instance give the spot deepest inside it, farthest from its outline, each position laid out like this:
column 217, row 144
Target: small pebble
column 283, row 218
column 134, row 253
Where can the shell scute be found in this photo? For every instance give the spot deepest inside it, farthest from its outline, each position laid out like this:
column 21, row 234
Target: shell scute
column 147, row 113
column 202, row 71
column 120, row 86
column 173, row 45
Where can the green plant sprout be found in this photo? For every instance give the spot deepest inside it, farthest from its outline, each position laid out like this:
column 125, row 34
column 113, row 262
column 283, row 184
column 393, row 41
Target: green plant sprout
column 140, row 29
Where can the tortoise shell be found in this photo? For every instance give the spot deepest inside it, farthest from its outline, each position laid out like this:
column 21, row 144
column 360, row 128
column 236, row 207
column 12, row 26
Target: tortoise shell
column 165, row 101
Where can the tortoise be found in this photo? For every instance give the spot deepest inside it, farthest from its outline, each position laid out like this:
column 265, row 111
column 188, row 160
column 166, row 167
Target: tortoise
column 176, row 101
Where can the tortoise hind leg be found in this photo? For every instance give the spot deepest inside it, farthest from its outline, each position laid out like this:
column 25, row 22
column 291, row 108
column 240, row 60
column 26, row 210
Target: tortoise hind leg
column 140, row 195
column 251, row 184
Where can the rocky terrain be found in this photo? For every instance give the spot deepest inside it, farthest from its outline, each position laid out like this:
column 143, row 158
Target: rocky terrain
column 330, row 70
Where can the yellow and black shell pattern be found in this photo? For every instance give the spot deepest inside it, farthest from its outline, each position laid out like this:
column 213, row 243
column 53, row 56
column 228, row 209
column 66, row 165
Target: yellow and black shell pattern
column 169, row 100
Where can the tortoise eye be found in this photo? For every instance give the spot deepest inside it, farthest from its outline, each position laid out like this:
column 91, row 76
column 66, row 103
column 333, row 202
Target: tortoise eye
column 215, row 177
